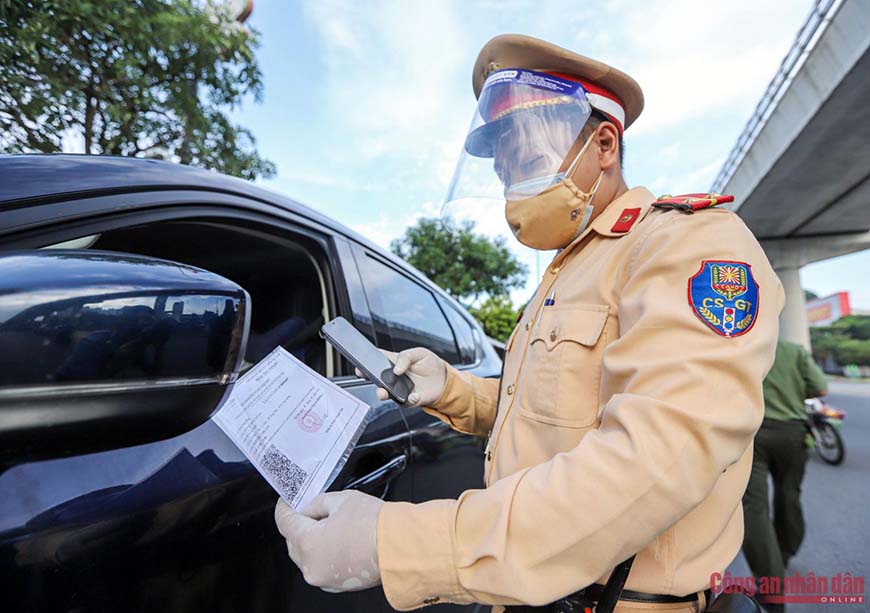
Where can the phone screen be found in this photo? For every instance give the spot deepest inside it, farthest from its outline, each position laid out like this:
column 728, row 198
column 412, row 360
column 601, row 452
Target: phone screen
column 369, row 359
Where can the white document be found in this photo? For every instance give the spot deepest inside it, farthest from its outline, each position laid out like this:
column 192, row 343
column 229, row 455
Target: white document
column 293, row 424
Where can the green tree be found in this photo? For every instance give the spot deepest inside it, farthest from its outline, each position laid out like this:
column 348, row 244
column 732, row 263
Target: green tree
column 466, row 265
column 854, row 351
column 497, row 316
column 847, row 340
column 147, row 78
column 825, row 342
column 853, row 326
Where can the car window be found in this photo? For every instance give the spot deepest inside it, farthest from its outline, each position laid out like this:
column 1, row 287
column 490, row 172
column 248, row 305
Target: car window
column 284, row 279
column 463, row 331
column 407, row 309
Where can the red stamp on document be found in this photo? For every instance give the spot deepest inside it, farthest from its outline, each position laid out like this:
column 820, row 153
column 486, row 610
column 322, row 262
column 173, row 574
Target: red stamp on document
column 310, row 421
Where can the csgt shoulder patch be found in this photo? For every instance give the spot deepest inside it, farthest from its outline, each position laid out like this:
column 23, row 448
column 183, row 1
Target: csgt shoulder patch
column 724, row 295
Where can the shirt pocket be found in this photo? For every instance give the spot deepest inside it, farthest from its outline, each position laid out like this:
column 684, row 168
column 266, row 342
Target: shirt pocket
column 560, row 378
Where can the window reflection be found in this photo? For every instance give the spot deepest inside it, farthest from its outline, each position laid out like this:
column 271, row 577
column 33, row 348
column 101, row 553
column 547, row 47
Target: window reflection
column 407, row 311
column 463, row 331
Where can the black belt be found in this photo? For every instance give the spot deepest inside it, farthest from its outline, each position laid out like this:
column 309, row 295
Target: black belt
column 578, row 601
column 594, row 592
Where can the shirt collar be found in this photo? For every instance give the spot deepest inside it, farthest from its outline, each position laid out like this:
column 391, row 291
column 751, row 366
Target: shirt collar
column 623, row 214
column 619, row 218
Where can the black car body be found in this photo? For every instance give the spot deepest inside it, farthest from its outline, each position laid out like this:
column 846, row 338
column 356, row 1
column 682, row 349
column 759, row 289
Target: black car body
column 186, row 523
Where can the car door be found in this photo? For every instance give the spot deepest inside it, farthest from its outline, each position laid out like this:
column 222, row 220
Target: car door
column 185, row 524
column 407, row 312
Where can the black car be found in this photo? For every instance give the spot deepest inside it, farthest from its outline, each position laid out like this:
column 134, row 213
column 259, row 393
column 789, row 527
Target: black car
column 130, row 290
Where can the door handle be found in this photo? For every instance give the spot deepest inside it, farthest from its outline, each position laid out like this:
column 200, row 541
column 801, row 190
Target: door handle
column 377, row 481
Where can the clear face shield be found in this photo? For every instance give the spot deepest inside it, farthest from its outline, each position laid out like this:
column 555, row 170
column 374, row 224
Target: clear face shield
column 525, row 124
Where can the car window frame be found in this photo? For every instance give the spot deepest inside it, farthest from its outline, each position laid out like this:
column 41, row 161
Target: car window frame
column 445, row 303
column 436, row 294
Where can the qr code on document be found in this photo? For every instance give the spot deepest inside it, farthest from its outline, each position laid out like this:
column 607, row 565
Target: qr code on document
column 285, row 472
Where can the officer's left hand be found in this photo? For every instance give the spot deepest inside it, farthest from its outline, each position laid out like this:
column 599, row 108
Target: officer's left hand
column 333, row 540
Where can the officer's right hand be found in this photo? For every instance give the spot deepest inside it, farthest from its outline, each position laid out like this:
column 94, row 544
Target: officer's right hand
column 427, row 371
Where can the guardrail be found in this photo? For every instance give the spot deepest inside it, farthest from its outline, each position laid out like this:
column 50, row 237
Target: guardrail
column 814, row 25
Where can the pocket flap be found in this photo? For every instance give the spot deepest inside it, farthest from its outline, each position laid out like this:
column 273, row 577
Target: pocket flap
column 581, row 324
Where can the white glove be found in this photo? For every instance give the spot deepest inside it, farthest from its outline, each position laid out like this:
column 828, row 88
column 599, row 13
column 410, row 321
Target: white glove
column 426, row 370
column 333, row 540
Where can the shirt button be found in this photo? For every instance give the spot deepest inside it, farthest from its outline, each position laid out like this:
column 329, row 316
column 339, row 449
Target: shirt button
column 554, row 269
column 510, row 390
column 528, row 325
column 431, row 600
column 552, row 335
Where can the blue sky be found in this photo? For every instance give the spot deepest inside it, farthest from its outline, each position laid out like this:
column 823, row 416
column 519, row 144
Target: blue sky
column 367, row 103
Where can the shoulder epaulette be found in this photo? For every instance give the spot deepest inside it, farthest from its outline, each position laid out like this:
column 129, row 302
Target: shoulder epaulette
column 689, row 203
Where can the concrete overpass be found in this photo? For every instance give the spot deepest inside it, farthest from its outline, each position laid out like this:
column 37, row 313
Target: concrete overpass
column 800, row 171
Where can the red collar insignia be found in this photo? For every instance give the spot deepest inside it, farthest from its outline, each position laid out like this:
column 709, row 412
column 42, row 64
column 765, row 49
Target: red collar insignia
column 626, row 219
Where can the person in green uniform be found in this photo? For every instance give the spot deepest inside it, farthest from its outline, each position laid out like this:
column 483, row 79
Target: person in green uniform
column 779, row 450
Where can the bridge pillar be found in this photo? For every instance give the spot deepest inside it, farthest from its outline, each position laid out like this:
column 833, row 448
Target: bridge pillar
column 788, row 256
column 793, row 319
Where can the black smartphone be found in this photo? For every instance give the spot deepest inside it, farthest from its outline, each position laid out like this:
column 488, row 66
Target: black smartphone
column 371, row 361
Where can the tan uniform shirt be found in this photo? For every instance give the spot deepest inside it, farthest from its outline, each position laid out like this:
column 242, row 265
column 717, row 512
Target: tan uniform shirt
column 624, row 424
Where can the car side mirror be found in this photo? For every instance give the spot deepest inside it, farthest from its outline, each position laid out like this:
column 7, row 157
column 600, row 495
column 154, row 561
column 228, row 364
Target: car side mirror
column 102, row 350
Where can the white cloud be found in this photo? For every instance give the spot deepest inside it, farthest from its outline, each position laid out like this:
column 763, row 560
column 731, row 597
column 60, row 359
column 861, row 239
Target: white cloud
column 845, row 273
column 701, row 176
column 388, row 227
column 392, row 72
column 339, row 35
column 689, row 57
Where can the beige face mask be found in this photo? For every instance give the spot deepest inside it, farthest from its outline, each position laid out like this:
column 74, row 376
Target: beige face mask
column 556, row 216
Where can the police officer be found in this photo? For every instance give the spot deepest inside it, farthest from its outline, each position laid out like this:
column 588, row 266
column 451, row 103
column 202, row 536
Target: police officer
column 779, row 451
column 631, row 390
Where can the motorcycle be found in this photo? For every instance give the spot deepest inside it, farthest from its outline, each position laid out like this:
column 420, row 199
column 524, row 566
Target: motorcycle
column 823, row 425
